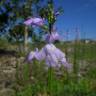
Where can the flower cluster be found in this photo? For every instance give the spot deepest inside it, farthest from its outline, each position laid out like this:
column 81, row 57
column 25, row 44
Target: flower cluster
column 34, row 21
column 53, row 56
column 54, row 36
column 49, row 38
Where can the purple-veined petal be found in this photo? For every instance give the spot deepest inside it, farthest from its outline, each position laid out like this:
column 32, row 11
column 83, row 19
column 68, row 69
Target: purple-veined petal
column 34, row 21
column 30, row 56
column 52, row 37
column 56, row 36
column 28, row 22
column 53, row 56
column 59, row 53
column 40, row 55
column 51, row 60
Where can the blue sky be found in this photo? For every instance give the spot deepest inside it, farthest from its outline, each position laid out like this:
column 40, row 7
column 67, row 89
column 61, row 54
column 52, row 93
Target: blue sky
column 79, row 14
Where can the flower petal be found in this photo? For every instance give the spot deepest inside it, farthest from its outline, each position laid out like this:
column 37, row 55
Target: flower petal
column 52, row 37
column 30, row 56
column 34, row 21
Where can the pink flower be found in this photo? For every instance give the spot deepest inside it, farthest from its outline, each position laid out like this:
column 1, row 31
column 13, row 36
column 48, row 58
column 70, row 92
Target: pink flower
column 53, row 57
column 34, row 21
column 30, row 56
column 52, row 37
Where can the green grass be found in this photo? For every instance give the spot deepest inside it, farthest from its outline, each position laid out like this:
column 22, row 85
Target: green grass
column 59, row 87
column 52, row 85
column 34, row 80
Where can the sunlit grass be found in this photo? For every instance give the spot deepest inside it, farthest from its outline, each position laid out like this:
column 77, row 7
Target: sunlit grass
column 34, row 80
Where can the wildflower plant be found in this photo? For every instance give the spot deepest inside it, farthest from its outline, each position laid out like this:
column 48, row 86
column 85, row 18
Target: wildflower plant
column 53, row 57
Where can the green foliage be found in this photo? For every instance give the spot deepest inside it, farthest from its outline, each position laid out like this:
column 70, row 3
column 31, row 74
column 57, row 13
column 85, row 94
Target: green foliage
column 16, row 34
column 27, row 91
column 56, row 87
column 48, row 12
column 34, row 80
column 15, row 10
column 3, row 43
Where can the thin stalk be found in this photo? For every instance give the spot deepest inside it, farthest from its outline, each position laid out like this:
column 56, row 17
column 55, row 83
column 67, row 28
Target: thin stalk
column 26, row 39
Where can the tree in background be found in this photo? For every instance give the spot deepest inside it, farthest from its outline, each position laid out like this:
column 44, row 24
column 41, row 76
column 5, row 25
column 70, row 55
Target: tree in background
column 14, row 12
column 12, row 15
